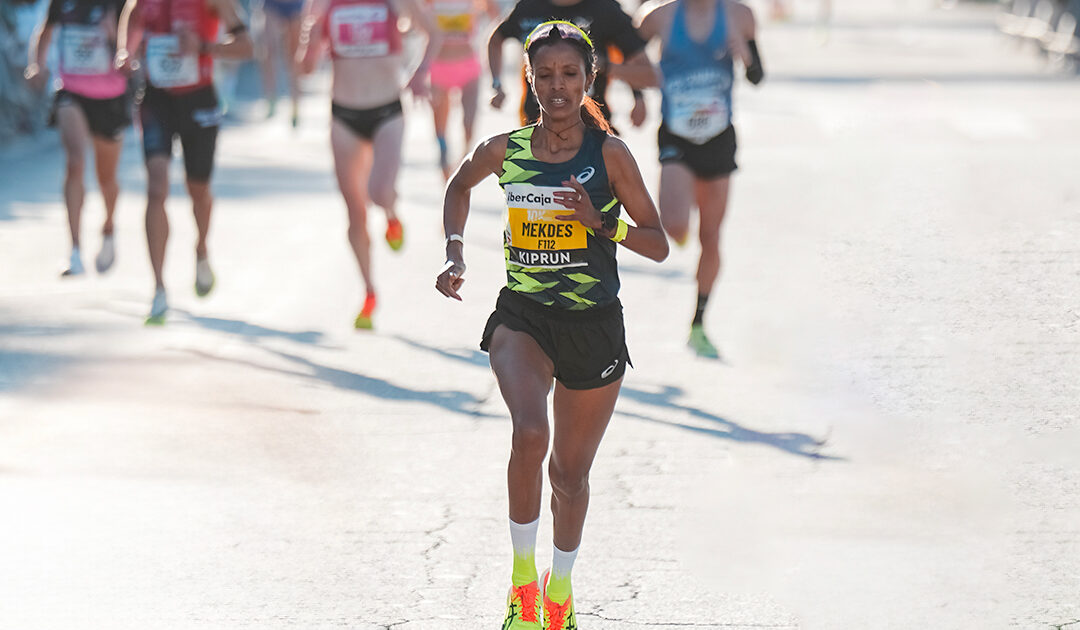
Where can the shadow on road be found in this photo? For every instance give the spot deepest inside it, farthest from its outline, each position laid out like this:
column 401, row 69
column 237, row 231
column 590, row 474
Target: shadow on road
column 452, row 400
column 252, row 331
column 799, row 444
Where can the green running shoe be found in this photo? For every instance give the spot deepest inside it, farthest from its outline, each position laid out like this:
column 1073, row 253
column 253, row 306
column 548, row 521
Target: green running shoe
column 700, row 344
column 523, row 608
column 558, row 616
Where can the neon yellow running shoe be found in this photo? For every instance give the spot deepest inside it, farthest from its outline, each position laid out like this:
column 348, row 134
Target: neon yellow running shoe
column 523, row 608
column 558, row 616
column 363, row 320
column 395, row 234
column 700, row 344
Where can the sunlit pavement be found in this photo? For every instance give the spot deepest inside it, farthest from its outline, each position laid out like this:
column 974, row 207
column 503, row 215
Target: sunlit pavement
column 890, row 441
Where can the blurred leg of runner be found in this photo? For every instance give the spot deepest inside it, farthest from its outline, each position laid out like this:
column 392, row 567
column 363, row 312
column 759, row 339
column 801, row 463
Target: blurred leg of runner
column 382, row 186
column 676, row 200
column 75, row 135
column 106, row 159
column 352, row 163
column 440, row 110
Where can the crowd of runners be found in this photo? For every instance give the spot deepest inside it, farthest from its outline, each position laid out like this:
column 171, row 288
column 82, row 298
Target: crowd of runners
column 573, row 190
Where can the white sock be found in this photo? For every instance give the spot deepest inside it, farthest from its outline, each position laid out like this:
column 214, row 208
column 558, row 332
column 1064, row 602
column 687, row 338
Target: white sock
column 523, row 537
column 562, row 562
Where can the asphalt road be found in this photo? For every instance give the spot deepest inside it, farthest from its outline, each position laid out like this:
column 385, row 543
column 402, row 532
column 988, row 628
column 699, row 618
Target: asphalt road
column 890, row 441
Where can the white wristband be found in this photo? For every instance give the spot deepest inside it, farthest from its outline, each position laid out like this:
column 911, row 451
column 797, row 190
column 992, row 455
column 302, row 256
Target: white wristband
column 455, row 237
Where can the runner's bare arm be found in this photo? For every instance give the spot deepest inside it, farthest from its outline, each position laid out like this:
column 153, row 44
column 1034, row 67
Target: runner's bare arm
column 742, row 40
column 36, row 54
column 129, row 34
column 237, row 42
column 647, row 237
column 485, row 160
column 648, row 20
column 423, row 16
column 312, row 43
column 495, row 63
column 638, row 71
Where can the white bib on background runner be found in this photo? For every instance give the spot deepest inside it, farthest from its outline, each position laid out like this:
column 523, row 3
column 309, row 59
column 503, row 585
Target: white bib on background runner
column 698, row 114
column 166, row 67
column 84, row 50
column 360, row 30
column 537, row 238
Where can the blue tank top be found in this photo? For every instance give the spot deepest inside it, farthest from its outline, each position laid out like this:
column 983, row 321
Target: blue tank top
column 561, row 264
column 697, row 79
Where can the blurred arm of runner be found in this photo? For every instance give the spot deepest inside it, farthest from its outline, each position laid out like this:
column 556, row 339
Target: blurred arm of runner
column 646, row 236
column 485, row 160
column 503, row 31
column 36, row 73
column 494, row 51
column 237, row 43
column 312, row 42
column 636, row 69
column 422, row 15
column 742, row 40
column 129, row 35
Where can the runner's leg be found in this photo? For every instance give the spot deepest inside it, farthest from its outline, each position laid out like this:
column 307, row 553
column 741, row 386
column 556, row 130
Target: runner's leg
column 106, row 159
column 676, row 199
column 524, row 374
column 352, row 162
column 75, row 136
column 382, row 183
column 157, row 221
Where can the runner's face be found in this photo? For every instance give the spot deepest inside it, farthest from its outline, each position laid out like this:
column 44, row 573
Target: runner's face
column 559, row 80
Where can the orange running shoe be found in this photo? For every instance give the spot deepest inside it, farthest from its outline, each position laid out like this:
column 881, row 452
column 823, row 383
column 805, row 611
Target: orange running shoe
column 395, row 234
column 523, row 608
column 558, row 616
column 363, row 320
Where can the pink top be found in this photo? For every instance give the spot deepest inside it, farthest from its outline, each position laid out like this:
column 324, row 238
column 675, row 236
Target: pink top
column 86, row 53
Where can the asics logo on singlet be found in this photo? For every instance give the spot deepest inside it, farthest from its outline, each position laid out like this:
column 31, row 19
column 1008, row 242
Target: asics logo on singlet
column 586, row 175
column 609, row 369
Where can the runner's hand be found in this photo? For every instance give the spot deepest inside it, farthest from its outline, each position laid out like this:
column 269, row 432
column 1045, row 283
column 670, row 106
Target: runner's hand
column 498, row 98
column 637, row 115
column 451, row 277
column 123, row 62
column 35, row 78
column 578, row 201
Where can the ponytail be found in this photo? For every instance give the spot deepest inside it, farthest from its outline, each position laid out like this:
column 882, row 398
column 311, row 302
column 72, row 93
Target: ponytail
column 593, row 116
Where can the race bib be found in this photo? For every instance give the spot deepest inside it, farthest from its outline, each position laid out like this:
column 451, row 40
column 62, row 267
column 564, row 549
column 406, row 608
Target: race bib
column 360, row 31
column 166, row 67
column 84, row 50
column 698, row 115
column 455, row 19
column 537, row 238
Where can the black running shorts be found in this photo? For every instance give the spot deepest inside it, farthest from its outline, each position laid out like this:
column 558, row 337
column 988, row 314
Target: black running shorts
column 193, row 116
column 365, row 122
column 588, row 348
column 715, row 158
column 106, row 117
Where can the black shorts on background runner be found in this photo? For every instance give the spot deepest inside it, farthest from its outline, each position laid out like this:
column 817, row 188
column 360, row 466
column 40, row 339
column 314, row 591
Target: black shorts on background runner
column 106, row 117
column 715, row 158
column 588, row 348
column 194, row 116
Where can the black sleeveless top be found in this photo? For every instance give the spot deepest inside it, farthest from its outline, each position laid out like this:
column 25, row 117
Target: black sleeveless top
column 557, row 263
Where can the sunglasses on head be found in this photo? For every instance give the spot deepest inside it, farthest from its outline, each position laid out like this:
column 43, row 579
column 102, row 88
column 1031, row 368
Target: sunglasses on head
column 567, row 30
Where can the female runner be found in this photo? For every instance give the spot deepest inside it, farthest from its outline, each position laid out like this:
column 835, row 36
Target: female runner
column 558, row 318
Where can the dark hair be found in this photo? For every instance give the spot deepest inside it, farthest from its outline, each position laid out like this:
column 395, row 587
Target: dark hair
column 591, row 113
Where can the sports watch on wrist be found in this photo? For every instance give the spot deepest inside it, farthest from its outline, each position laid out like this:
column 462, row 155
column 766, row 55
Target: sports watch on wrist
column 609, row 222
